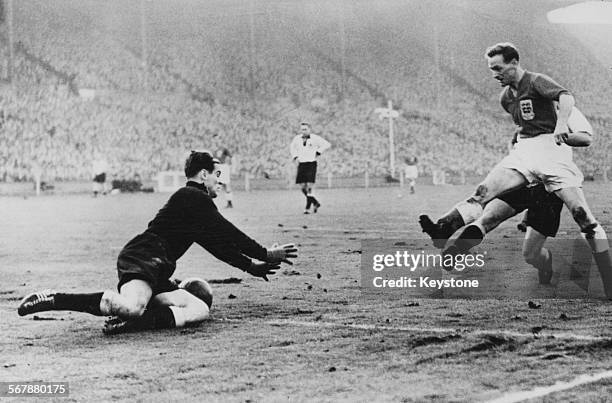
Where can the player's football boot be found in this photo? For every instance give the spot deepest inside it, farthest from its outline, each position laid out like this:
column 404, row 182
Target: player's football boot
column 37, row 302
column 545, row 272
column 116, row 325
column 435, row 231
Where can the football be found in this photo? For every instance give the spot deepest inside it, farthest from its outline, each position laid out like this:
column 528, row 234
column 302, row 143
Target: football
column 199, row 288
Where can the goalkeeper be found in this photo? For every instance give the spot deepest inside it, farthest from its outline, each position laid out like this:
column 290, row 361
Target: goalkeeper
column 147, row 298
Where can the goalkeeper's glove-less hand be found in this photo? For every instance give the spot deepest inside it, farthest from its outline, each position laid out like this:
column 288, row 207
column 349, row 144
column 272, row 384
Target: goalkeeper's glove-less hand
column 263, row 269
column 282, row 253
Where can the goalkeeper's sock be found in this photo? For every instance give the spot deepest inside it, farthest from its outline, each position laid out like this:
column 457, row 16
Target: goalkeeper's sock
column 162, row 317
column 89, row 303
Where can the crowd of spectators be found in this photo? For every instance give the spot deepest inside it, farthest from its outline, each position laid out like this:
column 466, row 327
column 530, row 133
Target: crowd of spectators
column 245, row 78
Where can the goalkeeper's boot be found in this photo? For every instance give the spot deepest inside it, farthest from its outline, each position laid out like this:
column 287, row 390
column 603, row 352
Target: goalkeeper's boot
column 116, row 325
column 437, row 232
column 37, row 302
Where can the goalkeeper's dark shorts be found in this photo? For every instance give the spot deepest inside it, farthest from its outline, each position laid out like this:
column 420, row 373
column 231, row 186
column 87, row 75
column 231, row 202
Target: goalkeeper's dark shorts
column 543, row 208
column 144, row 258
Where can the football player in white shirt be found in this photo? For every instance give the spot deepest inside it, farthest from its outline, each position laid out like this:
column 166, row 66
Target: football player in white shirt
column 305, row 148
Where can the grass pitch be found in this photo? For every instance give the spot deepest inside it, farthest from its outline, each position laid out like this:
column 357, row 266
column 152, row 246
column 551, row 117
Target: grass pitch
column 308, row 334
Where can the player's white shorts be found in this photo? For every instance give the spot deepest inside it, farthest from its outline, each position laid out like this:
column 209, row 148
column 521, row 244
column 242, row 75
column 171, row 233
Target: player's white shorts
column 224, row 176
column 411, row 172
column 541, row 159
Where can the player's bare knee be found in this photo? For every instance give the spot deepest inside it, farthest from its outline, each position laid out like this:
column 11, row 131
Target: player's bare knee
column 586, row 223
column 113, row 303
column 480, row 195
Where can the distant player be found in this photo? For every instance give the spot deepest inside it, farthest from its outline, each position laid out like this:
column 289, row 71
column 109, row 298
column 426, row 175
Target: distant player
column 541, row 154
column 225, row 168
column 147, row 298
column 541, row 220
column 305, row 148
column 411, row 171
column 99, row 170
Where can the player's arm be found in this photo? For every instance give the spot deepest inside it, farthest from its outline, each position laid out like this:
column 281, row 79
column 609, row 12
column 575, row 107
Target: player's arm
column 515, row 135
column 580, row 133
column 214, row 229
column 217, row 230
column 229, row 254
column 577, row 139
column 566, row 103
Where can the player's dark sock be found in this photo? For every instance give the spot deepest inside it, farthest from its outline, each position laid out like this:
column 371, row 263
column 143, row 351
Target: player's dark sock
column 470, row 236
column 450, row 223
column 315, row 201
column 604, row 264
column 89, row 303
column 156, row 318
column 305, row 192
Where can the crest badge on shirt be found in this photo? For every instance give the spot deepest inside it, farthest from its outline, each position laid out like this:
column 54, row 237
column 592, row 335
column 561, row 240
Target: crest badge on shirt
column 527, row 109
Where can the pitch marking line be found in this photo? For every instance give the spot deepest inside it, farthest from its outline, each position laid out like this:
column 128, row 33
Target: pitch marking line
column 348, row 231
column 416, row 329
column 546, row 390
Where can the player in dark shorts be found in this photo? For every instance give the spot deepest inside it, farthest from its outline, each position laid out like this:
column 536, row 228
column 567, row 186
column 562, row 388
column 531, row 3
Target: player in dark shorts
column 147, row 298
column 542, row 220
column 305, row 148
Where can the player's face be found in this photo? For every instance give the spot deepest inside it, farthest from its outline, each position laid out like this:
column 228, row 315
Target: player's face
column 212, row 181
column 305, row 130
column 503, row 72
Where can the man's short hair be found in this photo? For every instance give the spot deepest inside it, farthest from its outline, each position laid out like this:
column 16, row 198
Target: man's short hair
column 305, row 124
column 197, row 161
column 506, row 49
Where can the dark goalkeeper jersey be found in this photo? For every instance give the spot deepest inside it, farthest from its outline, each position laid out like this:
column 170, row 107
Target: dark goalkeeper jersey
column 191, row 216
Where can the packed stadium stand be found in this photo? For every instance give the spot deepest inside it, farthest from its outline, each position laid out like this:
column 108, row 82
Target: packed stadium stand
column 144, row 82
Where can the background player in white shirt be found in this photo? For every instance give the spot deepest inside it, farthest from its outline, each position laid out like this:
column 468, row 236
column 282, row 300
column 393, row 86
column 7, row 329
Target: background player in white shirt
column 305, row 148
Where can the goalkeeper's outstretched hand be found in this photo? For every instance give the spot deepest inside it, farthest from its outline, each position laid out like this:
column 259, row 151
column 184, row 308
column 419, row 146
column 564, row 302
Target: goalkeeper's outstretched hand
column 263, row 269
column 282, row 253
